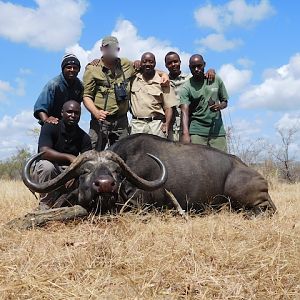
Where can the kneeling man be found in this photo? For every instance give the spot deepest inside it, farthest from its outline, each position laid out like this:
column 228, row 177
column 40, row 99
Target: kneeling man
column 61, row 143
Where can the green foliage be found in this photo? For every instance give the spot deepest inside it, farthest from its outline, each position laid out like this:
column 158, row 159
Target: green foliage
column 12, row 167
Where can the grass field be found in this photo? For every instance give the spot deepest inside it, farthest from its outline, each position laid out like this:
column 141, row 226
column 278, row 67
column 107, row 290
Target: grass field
column 152, row 256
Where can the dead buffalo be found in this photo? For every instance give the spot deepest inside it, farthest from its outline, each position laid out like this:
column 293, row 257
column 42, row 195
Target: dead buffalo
column 198, row 176
column 100, row 177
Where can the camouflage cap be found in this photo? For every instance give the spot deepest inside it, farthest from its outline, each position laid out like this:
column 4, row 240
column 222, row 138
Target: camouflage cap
column 110, row 41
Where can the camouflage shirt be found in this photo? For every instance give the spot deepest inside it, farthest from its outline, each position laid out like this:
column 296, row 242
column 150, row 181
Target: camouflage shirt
column 178, row 82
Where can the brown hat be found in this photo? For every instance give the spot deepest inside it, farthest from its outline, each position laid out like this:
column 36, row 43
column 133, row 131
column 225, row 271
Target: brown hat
column 110, row 41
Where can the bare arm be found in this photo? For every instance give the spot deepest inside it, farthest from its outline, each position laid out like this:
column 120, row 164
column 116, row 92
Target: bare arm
column 168, row 115
column 46, row 119
column 55, row 156
column 185, row 123
column 99, row 114
column 165, row 80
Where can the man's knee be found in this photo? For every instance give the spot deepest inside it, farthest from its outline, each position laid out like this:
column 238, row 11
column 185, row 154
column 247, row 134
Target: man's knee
column 45, row 170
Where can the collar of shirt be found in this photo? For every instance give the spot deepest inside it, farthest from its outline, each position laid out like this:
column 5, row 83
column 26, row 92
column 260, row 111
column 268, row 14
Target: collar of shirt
column 106, row 69
column 66, row 132
column 180, row 77
column 155, row 79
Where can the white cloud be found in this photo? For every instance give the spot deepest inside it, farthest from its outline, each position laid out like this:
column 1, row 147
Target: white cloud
column 243, row 14
column 233, row 13
column 15, row 133
column 280, row 89
column 235, row 80
column 7, row 89
column 245, row 62
column 52, row 25
column 132, row 46
column 25, row 71
column 210, row 16
column 218, row 42
column 20, row 90
column 289, row 121
column 5, row 86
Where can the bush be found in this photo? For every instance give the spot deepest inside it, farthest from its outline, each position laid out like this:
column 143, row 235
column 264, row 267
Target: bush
column 12, row 167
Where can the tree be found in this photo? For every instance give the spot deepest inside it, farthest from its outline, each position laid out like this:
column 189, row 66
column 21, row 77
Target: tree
column 249, row 151
column 282, row 155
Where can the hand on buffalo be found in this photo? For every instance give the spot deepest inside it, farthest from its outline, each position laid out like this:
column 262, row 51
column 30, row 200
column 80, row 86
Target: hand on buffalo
column 51, row 120
column 164, row 129
column 186, row 138
column 71, row 158
column 100, row 114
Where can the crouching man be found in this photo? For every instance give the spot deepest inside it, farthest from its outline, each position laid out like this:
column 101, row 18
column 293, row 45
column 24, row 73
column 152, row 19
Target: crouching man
column 61, row 143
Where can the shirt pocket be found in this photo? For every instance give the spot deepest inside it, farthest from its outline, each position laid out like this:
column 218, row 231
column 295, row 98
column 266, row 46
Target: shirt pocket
column 154, row 92
column 102, row 86
column 135, row 88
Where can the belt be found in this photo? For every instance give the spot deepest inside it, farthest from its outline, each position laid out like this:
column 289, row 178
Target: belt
column 149, row 119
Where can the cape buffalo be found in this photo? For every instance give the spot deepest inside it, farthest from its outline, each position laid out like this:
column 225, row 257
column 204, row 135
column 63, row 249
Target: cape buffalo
column 198, row 176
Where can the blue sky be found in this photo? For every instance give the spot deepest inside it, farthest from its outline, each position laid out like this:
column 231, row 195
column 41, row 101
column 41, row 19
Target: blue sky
column 253, row 45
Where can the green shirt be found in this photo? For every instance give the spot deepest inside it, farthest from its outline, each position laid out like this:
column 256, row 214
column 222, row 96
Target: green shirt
column 196, row 94
column 96, row 85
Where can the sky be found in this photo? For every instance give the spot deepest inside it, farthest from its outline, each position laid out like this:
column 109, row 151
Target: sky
column 254, row 47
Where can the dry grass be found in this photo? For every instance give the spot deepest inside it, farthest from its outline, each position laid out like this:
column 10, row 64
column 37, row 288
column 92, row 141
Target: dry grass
column 152, row 256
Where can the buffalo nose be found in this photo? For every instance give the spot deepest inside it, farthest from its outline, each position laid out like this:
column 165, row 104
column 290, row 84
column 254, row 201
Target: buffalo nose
column 104, row 184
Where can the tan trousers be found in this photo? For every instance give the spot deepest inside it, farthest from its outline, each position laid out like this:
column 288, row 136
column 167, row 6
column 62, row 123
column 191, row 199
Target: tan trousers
column 152, row 127
column 43, row 171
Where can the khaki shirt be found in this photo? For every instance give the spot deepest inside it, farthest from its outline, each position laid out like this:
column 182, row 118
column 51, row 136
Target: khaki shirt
column 96, row 85
column 149, row 98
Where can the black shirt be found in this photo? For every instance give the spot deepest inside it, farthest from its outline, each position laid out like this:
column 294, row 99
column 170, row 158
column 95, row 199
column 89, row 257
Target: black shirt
column 55, row 136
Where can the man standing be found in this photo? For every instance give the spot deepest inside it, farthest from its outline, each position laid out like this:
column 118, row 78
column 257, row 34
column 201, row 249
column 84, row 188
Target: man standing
column 61, row 142
column 59, row 90
column 151, row 104
column 201, row 102
column 177, row 79
column 106, row 94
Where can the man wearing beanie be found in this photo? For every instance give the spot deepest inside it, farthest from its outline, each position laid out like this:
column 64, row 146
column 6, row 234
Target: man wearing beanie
column 58, row 91
column 106, row 94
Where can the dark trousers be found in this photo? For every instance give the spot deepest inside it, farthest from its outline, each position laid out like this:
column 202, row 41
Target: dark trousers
column 106, row 133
